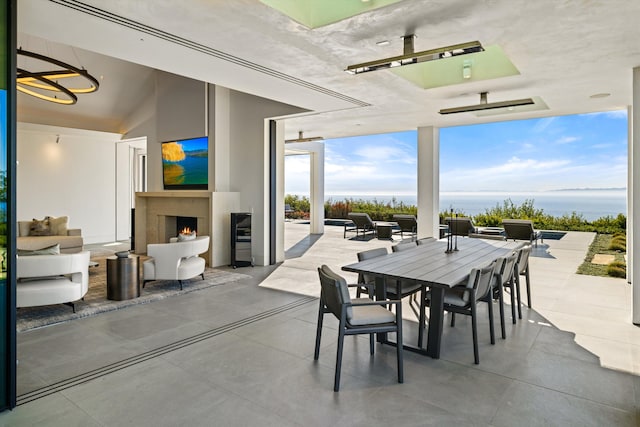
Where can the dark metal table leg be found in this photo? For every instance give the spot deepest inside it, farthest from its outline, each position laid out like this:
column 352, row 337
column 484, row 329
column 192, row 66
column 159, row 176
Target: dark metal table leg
column 436, row 319
column 381, row 294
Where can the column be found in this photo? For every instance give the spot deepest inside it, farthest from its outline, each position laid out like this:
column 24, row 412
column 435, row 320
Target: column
column 316, row 189
column 428, row 181
column 633, row 245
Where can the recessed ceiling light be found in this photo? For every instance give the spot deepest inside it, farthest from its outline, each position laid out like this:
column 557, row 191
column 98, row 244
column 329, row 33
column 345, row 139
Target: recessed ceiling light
column 600, row 95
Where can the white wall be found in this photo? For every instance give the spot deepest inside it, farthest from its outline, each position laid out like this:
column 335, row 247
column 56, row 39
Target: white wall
column 249, row 162
column 74, row 177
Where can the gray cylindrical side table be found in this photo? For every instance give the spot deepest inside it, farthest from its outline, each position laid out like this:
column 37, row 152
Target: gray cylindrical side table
column 123, row 278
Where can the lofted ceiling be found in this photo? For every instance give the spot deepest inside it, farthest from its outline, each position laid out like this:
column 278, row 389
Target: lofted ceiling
column 563, row 51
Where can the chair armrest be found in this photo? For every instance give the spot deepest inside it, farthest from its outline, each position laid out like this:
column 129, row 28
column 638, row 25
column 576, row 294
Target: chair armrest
column 381, row 302
column 74, row 232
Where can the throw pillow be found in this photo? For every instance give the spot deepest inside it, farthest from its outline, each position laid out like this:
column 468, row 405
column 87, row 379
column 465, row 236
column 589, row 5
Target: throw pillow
column 185, row 237
column 49, row 250
column 40, row 228
column 58, row 225
column 23, row 228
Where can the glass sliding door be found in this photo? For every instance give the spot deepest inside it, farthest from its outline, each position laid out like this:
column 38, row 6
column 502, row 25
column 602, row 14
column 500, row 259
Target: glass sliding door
column 7, row 205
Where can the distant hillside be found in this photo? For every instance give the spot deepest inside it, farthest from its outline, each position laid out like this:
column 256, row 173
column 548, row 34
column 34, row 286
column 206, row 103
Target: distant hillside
column 592, row 189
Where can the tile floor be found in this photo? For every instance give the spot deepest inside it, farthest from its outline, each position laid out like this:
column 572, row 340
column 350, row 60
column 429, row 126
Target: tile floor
column 242, row 355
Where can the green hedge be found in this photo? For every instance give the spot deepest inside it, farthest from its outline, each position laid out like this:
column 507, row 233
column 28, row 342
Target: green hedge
column 492, row 217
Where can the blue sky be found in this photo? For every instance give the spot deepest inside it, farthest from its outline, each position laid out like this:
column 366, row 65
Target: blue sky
column 577, row 151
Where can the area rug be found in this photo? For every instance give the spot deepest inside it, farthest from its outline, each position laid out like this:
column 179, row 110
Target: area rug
column 95, row 301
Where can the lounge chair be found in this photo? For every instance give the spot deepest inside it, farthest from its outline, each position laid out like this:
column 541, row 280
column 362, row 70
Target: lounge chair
column 521, row 229
column 407, row 224
column 288, row 211
column 361, row 223
column 460, row 226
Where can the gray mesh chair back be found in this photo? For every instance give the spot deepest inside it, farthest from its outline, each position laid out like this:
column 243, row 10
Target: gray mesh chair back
column 403, row 247
column 461, row 226
column 521, row 229
column 408, row 224
column 368, row 280
column 506, row 276
column 463, row 299
column 523, row 269
column 355, row 317
column 403, row 288
column 362, row 223
column 334, row 290
column 425, row 240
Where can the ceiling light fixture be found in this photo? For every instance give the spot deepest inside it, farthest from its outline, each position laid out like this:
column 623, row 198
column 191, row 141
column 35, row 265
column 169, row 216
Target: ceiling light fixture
column 466, row 69
column 46, row 84
column 301, row 138
column 410, row 57
column 484, row 105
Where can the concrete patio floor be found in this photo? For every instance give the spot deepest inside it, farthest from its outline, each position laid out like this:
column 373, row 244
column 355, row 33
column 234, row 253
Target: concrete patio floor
column 597, row 310
column 242, row 355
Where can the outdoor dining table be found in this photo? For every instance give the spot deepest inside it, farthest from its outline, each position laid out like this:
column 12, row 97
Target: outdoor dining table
column 432, row 267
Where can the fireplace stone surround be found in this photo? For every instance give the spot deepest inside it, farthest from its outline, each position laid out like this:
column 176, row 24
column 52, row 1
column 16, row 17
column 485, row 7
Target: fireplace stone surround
column 156, row 213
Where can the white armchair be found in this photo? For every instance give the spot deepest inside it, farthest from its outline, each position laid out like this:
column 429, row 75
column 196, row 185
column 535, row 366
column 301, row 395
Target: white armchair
column 52, row 279
column 175, row 261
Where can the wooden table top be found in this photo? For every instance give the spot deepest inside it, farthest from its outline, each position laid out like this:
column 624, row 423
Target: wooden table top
column 430, row 265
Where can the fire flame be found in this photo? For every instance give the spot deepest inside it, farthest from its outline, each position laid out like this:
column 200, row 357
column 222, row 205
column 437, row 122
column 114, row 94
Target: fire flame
column 187, row 230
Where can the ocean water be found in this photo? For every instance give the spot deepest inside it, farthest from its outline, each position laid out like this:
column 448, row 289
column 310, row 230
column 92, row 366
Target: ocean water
column 591, row 204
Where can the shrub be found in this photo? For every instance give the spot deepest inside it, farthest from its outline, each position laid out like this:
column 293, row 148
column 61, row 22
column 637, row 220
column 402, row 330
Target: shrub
column 492, row 217
column 298, row 203
column 618, row 244
column 617, row 269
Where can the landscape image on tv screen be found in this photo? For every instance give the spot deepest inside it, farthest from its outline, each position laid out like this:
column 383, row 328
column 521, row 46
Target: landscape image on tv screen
column 185, row 164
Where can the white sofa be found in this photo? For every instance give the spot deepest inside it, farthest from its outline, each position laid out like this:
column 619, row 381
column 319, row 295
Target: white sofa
column 69, row 239
column 175, row 261
column 51, row 279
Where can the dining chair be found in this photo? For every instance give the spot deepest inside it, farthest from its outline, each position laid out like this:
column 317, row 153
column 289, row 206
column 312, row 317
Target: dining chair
column 394, row 289
column 403, row 246
column 363, row 316
column 406, row 288
column 505, row 277
column 425, row 240
column 463, row 299
column 523, row 270
column 366, row 282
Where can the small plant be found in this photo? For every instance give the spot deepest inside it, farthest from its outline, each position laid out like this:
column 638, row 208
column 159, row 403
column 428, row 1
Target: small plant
column 617, row 269
column 618, row 243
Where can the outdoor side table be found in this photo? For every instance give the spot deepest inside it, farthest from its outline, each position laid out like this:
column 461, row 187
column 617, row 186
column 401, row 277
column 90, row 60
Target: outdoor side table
column 123, row 278
column 384, row 230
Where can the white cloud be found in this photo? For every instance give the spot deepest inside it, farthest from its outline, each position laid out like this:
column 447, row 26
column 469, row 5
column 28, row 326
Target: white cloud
column 543, row 124
column 567, row 140
column 386, row 153
column 614, row 114
column 600, row 146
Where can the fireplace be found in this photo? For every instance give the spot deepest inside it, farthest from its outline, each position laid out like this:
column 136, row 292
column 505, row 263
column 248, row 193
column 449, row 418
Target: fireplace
column 186, row 224
column 157, row 219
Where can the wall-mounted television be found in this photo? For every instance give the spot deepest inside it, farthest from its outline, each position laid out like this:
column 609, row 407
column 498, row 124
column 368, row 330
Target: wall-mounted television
column 185, row 164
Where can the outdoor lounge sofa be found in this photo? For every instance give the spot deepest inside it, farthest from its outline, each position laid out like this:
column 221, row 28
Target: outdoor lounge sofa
column 408, row 224
column 521, row 229
column 460, row 226
column 361, row 223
